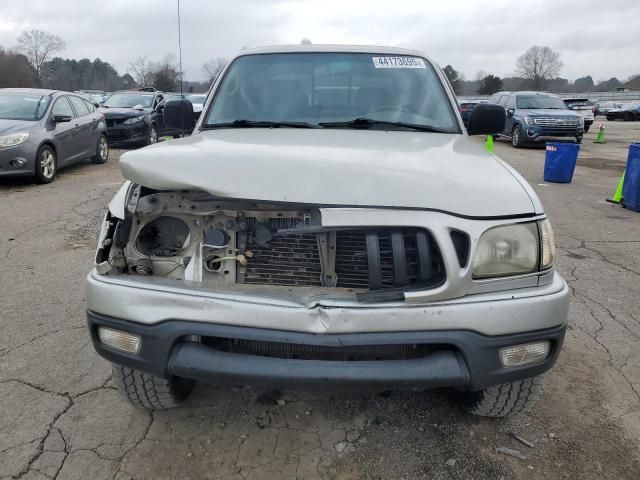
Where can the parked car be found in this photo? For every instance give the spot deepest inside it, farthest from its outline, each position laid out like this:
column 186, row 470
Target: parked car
column 584, row 107
column 628, row 113
column 132, row 118
column 602, row 108
column 466, row 107
column 350, row 239
column 534, row 117
column 42, row 131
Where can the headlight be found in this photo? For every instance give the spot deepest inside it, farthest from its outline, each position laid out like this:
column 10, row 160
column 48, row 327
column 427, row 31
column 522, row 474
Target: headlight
column 530, row 120
column 132, row 120
column 507, row 250
column 547, row 244
column 13, row 139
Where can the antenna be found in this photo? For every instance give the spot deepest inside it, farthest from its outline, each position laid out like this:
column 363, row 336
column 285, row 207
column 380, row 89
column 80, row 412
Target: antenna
column 180, row 47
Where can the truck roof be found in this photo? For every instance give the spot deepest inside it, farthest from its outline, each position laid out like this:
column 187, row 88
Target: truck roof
column 331, row 49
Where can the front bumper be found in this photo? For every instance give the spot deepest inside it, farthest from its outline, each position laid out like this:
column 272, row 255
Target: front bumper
column 122, row 134
column 466, row 334
column 460, row 358
column 18, row 161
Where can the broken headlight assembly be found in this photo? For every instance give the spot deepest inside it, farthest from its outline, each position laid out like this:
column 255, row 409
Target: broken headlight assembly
column 514, row 249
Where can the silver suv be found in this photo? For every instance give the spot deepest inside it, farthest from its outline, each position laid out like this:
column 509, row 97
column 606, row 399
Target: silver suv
column 330, row 222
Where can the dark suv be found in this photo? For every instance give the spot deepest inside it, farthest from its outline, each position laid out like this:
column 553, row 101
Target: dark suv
column 538, row 116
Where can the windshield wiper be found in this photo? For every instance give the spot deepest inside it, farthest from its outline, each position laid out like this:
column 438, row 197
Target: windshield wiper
column 369, row 122
column 258, row 124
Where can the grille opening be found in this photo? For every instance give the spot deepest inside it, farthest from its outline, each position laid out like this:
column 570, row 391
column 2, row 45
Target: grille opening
column 461, row 244
column 294, row 351
column 294, row 259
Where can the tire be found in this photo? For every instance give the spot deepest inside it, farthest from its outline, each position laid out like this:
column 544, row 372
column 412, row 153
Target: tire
column 628, row 117
column 586, row 128
column 46, row 167
column 102, row 150
column 152, row 135
column 503, row 400
column 516, row 137
column 151, row 392
column 610, row 119
column 579, row 138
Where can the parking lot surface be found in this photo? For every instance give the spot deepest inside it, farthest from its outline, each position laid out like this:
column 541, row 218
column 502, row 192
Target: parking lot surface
column 60, row 416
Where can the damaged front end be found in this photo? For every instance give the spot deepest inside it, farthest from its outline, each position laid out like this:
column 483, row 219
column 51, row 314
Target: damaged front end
column 191, row 236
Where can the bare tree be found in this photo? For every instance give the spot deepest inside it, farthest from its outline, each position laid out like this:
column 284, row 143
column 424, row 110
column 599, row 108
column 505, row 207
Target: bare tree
column 212, row 68
column 538, row 64
column 165, row 74
column 141, row 71
column 39, row 47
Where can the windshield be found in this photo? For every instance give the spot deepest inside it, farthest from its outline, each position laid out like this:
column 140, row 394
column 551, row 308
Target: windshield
column 540, row 101
column 129, row 100
column 315, row 88
column 22, row 106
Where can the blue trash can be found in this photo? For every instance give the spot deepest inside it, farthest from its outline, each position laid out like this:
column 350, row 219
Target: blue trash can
column 560, row 162
column 631, row 185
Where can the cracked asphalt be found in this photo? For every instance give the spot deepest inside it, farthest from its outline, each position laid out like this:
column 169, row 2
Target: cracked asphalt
column 60, row 416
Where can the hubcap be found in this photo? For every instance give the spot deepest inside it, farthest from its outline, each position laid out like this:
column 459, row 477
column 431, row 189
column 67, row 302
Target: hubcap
column 103, row 148
column 47, row 164
column 153, row 135
column 516, row 136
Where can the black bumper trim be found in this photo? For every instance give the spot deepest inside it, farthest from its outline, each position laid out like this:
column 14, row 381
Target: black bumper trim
column 463, row 358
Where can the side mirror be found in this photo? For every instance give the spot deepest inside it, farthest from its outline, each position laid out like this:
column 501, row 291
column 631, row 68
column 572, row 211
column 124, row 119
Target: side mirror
column 62, row 118
column 510, row 112
column 178, row 114
column 487, row 119
column 160, row 107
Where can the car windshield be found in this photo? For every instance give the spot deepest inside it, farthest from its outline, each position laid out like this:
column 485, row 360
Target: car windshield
column 129, row 100
column 540, row 101
column 325, row 88
column 22, row 106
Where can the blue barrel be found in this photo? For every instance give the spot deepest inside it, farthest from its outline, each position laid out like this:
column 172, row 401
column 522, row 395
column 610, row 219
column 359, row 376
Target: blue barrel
column 631, row 186
column 560, row 162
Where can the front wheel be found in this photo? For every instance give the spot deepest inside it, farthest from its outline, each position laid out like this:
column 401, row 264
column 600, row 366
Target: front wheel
column 151, row 392
column 102, row 150
column 152, row 134
column 503, row 400
column 586, row 128
column 516, row 137
column 46, row 165
column 579, row 138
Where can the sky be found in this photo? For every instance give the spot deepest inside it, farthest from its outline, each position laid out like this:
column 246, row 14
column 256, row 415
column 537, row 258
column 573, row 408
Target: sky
column 597, row 38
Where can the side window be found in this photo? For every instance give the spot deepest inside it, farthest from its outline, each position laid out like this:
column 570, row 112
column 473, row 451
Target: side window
column 511, row 102
column 502, row 100
column 89, row 105
column 79, row 106
column 62, row 107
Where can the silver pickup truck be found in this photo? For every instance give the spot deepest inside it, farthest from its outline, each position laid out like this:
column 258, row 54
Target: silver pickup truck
column 329, row 221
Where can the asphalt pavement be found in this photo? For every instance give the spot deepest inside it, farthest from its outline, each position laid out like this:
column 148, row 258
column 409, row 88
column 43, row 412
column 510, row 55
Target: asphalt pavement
column 60, row 416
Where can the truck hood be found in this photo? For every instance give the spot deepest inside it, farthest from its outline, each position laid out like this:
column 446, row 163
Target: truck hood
column 366, row 168
column 119, row 113
column 548, row 112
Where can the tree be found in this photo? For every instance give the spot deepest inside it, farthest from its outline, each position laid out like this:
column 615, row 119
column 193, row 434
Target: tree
column 38, row 47
column 455, row 78
column 213, row 67
column 608, row 85
column 164, row 75
column 583, row 84
column 15, row 70
column 489, row 85
column 141, row 70
column 538, row 64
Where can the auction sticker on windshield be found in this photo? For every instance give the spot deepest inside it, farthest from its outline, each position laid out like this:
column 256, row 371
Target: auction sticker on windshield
column 398, row 62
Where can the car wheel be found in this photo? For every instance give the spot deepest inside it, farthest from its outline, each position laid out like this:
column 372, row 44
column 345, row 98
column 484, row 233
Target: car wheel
column 503, row 400
column 46, row 165
column 102, row 150
column 516, row 137
column 609, row 119
column 579, row 138
column 628, row 117
column 586, row 128
column 152, row 135
column 151, row 392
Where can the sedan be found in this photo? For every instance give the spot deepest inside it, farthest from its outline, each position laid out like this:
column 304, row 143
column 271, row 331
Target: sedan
column 44, row 130
column 628, row 113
